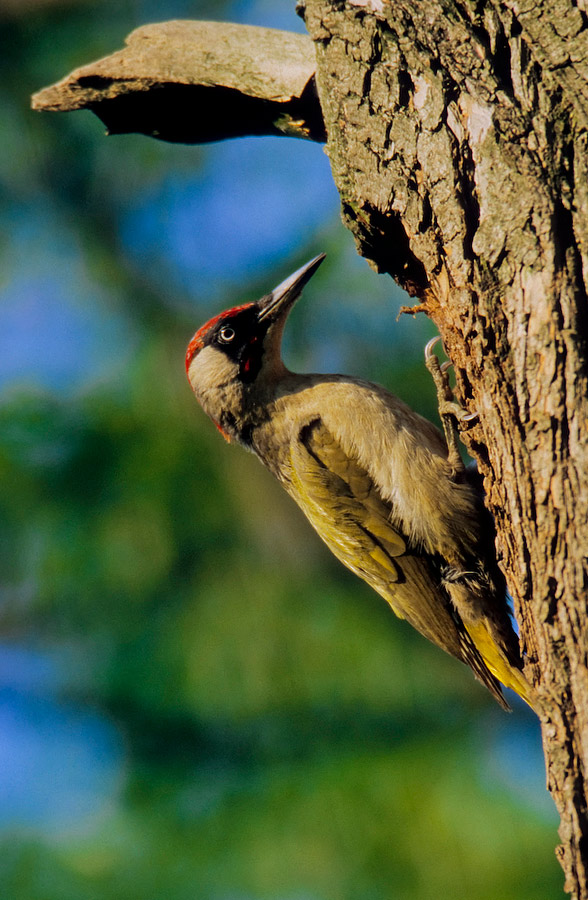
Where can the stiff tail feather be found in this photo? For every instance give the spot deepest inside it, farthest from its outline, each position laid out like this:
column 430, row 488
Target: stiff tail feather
column 496, row 661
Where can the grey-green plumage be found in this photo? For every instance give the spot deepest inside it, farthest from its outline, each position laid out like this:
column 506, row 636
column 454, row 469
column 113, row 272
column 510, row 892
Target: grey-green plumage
column 372, row 477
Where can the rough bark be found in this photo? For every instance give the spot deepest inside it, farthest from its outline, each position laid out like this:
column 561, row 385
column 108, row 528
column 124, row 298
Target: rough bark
column 457, row 137
column 457, row 134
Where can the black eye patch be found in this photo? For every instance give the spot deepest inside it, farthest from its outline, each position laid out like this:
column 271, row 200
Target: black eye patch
column 251, row 358
column 240, row 334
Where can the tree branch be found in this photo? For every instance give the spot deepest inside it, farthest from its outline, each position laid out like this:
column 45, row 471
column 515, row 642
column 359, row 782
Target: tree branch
column 194, row 82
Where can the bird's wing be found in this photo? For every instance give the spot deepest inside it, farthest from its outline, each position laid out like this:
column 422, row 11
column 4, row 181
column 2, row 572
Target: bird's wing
column 343, row 504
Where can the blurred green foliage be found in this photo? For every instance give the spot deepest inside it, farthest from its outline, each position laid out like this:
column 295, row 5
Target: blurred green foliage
column 281, row 735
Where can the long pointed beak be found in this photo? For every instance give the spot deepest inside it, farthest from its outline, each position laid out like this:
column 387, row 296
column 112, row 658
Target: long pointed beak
column 282, row 298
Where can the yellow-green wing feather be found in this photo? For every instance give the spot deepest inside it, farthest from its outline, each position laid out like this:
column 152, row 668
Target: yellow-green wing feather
column 344, row 506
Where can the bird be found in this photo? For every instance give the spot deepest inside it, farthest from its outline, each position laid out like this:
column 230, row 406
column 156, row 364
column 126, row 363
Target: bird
column 373, row 477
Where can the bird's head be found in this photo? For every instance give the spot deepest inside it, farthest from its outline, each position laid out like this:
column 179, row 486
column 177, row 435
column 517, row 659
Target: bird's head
column 235, row 358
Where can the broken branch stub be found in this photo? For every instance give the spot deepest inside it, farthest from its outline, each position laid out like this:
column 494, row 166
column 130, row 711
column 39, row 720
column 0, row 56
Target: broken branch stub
column 193, row 82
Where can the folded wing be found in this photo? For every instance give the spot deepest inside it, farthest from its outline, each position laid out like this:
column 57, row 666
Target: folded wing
column 345, row 507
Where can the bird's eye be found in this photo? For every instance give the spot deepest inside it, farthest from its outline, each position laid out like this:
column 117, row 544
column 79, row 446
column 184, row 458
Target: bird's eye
column 226, row 334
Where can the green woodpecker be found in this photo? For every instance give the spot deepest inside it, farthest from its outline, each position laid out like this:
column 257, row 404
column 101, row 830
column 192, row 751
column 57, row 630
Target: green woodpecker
column 372, row 477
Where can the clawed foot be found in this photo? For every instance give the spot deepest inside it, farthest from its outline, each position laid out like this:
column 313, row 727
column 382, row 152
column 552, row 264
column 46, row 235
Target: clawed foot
column 449, row 410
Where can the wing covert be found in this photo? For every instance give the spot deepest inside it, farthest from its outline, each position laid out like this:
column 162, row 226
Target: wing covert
column 342, row 502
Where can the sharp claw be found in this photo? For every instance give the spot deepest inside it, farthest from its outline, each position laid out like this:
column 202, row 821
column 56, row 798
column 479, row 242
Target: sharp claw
column 468, row 417
column 429, row 346
column 446, row 365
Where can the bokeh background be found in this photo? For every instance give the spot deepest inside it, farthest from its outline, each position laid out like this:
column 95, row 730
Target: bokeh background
column 196, row 699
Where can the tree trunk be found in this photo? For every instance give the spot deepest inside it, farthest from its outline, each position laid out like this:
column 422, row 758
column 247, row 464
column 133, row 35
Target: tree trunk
column 457, row 138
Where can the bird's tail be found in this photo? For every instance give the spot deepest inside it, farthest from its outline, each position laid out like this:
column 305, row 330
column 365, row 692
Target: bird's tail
column 498, row 663
column 481, row 604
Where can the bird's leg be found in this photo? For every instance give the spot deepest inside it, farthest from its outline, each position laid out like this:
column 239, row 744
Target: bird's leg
column 451, row 413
